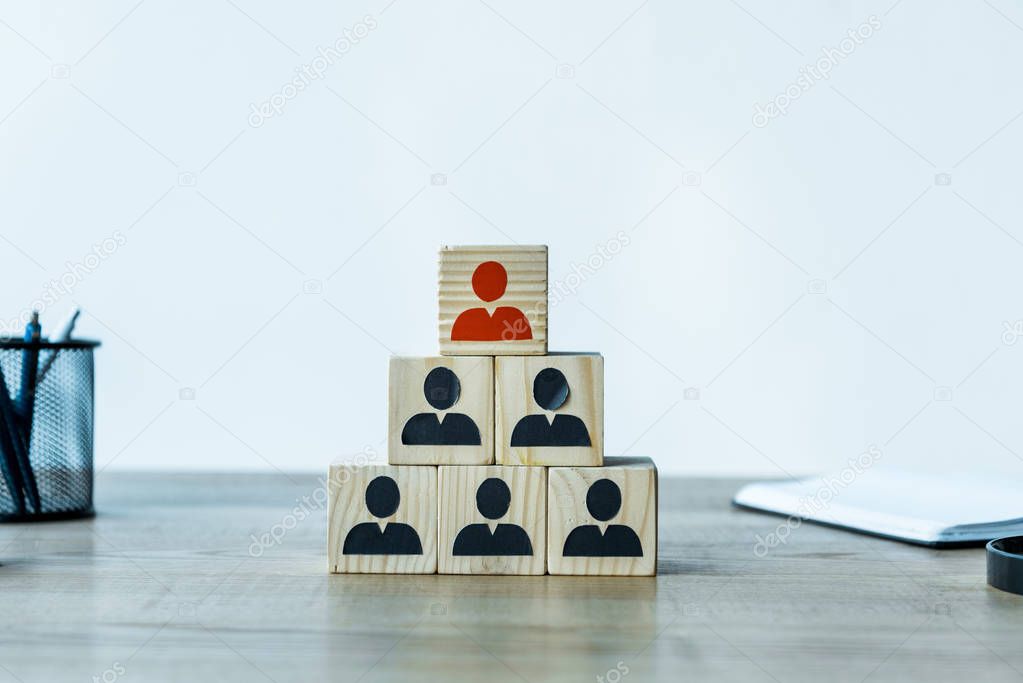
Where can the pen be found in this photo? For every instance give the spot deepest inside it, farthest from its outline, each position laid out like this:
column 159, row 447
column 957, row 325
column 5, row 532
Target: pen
column 63, row 335
column 9, row 465
column 24, row 408
column 29, row 370
column 15, row 454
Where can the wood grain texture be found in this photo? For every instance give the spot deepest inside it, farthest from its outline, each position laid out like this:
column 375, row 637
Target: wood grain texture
column 527, row 291
column 514, row 386
column 417, row 508
column 528, row 510
column 220, row 576
column 567, row 488
column 406, row 399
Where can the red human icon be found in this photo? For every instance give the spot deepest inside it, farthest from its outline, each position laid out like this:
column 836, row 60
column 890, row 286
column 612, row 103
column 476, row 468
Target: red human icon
column 507, row 323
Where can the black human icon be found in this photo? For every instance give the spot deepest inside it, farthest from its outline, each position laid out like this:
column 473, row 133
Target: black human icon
column 492, row 500
column 382, row 499
column 442, row 390
column 603, row 500
column 550, row 391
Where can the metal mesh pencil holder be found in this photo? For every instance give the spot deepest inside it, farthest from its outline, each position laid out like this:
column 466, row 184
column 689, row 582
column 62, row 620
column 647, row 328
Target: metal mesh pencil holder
column 59, row 437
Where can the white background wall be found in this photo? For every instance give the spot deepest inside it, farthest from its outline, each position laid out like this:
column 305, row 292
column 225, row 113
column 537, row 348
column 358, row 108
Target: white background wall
column 807, row 279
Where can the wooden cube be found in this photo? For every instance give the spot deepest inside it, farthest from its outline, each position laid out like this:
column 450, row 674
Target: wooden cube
column 493, row 300
column 382, row 519
column 550, row 410
column 493, row 520
column 441, row 411
column 603, row 520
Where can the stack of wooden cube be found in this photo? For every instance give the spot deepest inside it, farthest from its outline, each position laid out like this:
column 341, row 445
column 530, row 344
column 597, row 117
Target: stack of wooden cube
column 495, row 448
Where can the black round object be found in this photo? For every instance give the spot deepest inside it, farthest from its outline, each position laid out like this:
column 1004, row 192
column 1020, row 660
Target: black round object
column 550, row 389
column 382, row 497
column 493, row 498
column 604, row 499
column 1005, row 564
column 442, row 388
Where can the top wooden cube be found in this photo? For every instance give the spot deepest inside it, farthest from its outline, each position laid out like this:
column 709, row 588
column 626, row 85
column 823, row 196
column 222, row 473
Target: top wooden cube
column 493, row 300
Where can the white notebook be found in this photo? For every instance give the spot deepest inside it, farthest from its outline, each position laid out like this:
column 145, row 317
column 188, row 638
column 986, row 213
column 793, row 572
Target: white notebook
column 940, row 510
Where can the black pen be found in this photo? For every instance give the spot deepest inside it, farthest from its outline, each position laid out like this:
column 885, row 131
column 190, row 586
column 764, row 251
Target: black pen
column 15, row 455
column 29, row 369
column 24, row 408
column 9, row 465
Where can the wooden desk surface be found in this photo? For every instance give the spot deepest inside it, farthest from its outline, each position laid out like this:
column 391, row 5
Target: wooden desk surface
column 166, row 584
